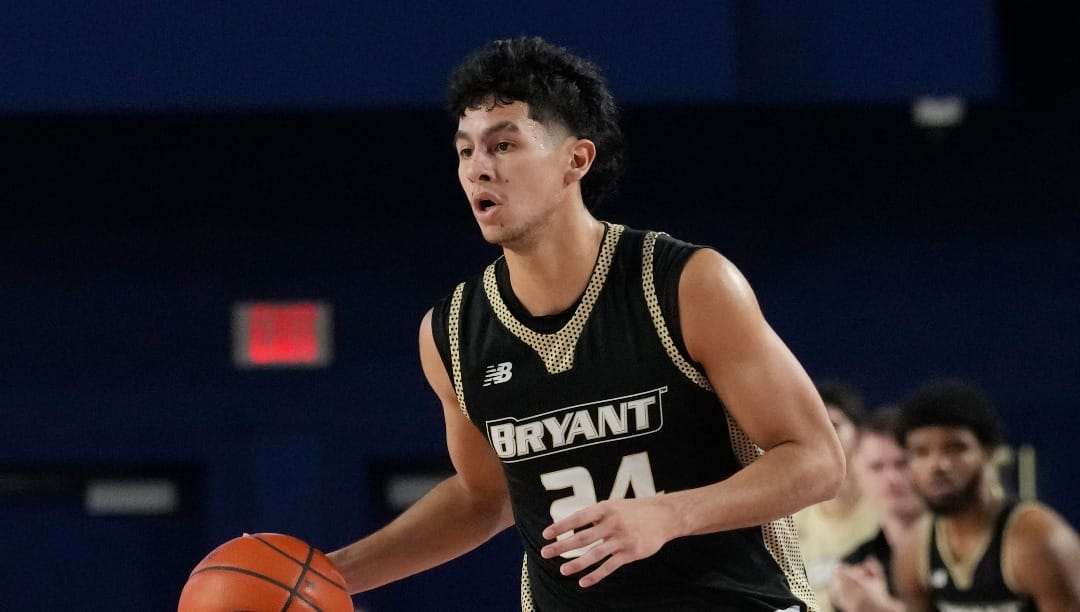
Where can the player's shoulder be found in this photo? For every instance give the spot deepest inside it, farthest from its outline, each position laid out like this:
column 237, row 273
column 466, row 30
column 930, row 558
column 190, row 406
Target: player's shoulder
column 1036, row 545
column 1033, row 524
column 672, row 252
column 661, row 239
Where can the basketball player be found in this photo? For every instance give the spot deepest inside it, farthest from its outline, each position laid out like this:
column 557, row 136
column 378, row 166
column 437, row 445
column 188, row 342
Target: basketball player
column 614, row 393
column 981, row 551
column 863, row 582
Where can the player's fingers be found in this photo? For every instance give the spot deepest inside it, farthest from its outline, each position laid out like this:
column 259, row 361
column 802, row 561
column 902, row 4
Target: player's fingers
column 873, row 567
column 593, row 555
column 580, row 540
column 581, row 518
column 613, row 563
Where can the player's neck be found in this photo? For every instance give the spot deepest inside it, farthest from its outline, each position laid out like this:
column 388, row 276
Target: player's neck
column 551, row 275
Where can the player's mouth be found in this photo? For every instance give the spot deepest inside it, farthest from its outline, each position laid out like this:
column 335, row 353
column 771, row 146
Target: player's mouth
column 940, row 486
column 484, row 202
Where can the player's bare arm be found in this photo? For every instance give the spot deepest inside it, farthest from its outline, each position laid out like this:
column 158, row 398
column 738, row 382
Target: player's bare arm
column 455, row 517
column 1043, row 556
column 768, row 394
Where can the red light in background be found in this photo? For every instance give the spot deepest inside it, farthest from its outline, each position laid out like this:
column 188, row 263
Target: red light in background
column 281, row 334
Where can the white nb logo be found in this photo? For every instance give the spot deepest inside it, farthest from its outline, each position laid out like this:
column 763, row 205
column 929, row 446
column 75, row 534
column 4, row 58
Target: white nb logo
column 499, row 373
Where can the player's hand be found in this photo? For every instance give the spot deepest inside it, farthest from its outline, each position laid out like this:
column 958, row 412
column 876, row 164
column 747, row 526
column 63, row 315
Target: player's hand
column 615, row 531
column 862, row 588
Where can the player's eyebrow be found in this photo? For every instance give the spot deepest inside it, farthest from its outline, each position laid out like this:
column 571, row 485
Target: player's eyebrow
column 509, row 126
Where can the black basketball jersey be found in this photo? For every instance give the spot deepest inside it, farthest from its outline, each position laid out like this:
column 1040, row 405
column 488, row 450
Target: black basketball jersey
column 979, row 587
column 602, row 402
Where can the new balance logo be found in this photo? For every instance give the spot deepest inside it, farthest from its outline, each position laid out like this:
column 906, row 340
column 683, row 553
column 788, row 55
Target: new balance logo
column 499, row 373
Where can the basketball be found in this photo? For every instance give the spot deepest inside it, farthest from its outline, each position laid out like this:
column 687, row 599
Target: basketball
column 265, row 572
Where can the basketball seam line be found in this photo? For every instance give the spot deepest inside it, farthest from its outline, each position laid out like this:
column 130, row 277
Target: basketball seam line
column 292, row 558
column 263, row 577
column 241, row 570
column 295, row 592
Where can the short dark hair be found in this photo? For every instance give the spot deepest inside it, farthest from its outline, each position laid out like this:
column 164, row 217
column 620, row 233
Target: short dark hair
column 883, row 421
column 558, row 86
column 844, row 397
column 951, row 402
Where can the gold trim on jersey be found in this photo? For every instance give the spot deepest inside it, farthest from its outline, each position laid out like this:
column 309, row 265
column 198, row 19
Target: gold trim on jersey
column 455, row 346
column 526, row 587
column 961, row 571
column 557, row 349
column 649, row 286
column 924, row 528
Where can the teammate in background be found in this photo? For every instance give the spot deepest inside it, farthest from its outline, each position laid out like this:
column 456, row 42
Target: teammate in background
column 833, row 528
column 616, row 394
column 863, row 582
column 981, row 551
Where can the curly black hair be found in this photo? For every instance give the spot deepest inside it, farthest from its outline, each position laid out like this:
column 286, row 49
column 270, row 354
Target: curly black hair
column 951, row 402
column 558, row 86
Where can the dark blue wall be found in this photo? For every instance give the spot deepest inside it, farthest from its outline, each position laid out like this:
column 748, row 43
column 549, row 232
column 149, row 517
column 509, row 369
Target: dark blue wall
column 148, row 186
column 123, row 55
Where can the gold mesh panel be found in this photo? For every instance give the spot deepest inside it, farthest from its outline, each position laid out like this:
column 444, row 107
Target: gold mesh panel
column 526, row 588
column 455, row 346
column 648, row 284
column 924, row 551
column 557, row 349
column 781, row 539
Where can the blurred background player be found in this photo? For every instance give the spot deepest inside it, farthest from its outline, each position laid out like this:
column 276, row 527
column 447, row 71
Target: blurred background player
column 982, row 550
column 831, row 529
column 863, row 582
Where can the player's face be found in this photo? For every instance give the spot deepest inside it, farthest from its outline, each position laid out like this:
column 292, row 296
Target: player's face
column 884, row 474
column 947, row 464
column 513, row 170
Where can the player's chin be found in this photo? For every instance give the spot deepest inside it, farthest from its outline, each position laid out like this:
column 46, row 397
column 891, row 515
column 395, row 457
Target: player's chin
column 498, row 235
column 946, row 503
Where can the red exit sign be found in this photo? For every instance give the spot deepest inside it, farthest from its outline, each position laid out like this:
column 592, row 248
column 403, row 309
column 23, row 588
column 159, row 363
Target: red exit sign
column 280, row 334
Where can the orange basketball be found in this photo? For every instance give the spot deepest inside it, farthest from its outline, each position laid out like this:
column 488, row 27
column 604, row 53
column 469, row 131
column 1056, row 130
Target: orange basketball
column 265, row 572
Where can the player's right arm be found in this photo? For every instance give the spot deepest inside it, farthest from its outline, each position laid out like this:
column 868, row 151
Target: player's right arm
column 455, row 517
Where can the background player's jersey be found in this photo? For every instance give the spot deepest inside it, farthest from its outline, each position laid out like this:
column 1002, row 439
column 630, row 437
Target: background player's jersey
column 975, row 587
column 601, row 402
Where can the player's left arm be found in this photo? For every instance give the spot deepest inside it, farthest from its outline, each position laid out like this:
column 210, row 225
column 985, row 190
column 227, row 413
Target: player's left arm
column 768, row 394
column 1042, row 556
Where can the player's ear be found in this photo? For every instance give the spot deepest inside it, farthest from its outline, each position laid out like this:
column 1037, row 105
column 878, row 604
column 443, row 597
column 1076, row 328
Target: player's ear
column 582, row 154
